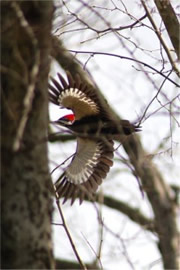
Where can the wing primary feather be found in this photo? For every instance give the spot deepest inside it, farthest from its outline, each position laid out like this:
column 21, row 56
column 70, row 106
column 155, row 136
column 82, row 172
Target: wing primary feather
column 81, row 196
column 93, row 183
column 78, row 82
column 65, row 200
column 54, row 90
column 58, row 86
column 87, row 186
column 64, row 189
column 109, row 154
column 59, row 185
column 97, row 178
column 106, row 161
column 83, row 88
column 103, row 166
column 52, row 95
column 70, row 79
column 74, row 194
column 53, row 99
column 68, row 193
column 100, row 173
column 64, row 83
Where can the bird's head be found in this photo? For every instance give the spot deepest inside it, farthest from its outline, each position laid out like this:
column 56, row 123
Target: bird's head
column 66, row 120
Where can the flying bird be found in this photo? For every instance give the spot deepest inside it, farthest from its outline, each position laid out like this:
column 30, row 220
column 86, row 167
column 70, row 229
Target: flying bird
column 95, row 129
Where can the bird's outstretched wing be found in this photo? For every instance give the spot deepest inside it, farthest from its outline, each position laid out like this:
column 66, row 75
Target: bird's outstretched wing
column 89, row 166
column 76, row 95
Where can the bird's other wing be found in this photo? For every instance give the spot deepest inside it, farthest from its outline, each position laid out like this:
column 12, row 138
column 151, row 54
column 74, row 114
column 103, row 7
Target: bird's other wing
column 76, row 95
column 89, row 166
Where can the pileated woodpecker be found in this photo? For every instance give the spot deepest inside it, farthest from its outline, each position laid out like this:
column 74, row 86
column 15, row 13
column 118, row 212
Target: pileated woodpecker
column 95, row 130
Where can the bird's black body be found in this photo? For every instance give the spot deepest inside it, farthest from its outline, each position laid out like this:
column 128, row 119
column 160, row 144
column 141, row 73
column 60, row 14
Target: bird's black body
column 96, row 125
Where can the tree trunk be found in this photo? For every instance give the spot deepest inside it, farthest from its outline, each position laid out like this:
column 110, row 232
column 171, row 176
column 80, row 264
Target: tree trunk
column 26, row 184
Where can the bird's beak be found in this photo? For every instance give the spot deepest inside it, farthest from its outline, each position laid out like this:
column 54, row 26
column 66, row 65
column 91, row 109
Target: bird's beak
column 62, row 122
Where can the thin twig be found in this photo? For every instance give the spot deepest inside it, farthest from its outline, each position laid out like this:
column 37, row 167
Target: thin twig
column 93, row 250
column 127, row 58
column 162, row 106
column 100, row 235
column 61, row 164
column 83, row 266
column 155, row 97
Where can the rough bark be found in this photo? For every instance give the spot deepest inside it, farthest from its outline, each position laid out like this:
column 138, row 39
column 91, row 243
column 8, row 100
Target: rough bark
column 159, row 193
column 26, row 184
column 170, row 21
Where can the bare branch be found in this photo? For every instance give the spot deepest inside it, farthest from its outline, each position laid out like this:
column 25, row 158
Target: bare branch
column 83, row 266
column 126, row 58
column 109, row 29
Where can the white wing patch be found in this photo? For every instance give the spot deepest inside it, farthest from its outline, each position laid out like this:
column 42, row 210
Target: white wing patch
column 78, row 102
column 90, row 165
column 82, row 167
